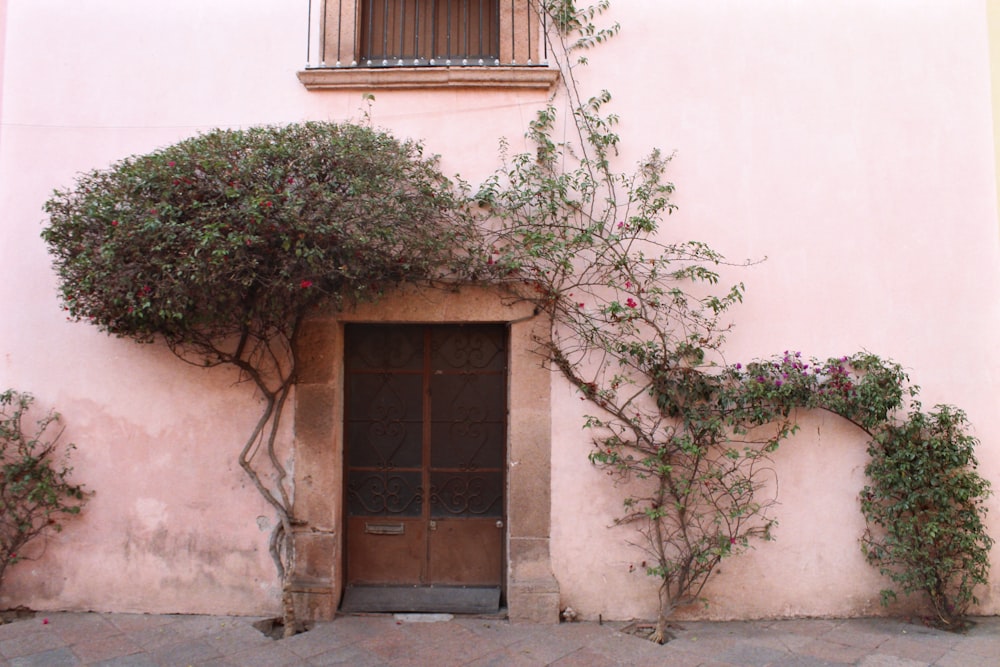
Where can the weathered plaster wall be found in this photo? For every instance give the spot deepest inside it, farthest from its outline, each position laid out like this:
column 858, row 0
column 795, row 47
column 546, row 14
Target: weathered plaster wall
column 174, row 524
column 847, row 142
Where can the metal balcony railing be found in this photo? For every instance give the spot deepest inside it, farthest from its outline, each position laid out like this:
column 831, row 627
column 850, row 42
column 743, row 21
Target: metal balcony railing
column 425, row 33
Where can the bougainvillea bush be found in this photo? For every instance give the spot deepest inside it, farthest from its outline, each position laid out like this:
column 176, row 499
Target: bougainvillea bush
column 219, row 244
column 924, row 503
column 233, row 230
column 924, row 507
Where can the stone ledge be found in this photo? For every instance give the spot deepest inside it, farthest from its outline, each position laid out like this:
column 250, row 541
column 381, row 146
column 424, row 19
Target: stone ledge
column 399, row 78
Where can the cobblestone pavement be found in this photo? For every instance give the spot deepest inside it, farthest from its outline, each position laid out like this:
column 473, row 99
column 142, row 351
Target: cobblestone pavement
column 57, row 639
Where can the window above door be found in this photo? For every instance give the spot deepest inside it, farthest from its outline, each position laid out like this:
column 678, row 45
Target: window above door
column 426, row 44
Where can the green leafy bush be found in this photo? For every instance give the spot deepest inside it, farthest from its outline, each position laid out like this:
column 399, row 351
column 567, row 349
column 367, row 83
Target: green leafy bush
column 35, row 491
column 924, row 503
column 924, row 508
column 232, row 229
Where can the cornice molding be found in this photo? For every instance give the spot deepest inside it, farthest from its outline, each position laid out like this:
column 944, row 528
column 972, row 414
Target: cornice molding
column 344, row 78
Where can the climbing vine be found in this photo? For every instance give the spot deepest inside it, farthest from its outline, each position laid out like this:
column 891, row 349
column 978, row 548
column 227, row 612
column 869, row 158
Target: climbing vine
column 924, row 506
column 924, row 501
column 639, row 328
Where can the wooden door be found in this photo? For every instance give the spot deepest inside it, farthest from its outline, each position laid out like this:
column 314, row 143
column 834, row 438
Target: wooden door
column 425, row 419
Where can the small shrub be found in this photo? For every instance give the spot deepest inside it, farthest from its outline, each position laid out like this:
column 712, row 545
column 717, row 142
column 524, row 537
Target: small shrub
column 35, row 491
column 924, row 510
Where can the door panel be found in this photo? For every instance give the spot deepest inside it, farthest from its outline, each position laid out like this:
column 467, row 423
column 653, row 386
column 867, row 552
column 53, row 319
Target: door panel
column 465, row 551
column 425, row 436
column 385, row 551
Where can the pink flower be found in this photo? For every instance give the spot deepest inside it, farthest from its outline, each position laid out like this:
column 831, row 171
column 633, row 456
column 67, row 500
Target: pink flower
column 631, row 303
column 114, row 223
column 171, row 164
column 305, row 284
column 45, row 621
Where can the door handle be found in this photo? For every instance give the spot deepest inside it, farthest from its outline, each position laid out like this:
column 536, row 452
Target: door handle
column 499, row 524
column 433, row 525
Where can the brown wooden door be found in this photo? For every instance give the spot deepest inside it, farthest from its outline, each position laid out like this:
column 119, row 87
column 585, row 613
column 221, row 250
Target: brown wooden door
column 425, row 417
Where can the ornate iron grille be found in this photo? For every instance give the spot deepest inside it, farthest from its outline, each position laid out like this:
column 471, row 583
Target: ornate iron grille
column 425, row 420
column 420, row 33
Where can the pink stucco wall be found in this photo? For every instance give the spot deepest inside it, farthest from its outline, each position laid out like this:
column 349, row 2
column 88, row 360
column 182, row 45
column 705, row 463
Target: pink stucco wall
column 3, row 43
column 847, row 142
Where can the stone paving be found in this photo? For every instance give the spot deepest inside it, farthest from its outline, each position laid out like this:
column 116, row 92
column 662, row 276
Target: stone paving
column 111, row 640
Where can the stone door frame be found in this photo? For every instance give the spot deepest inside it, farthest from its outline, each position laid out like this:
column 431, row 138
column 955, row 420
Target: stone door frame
column 318, row 574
